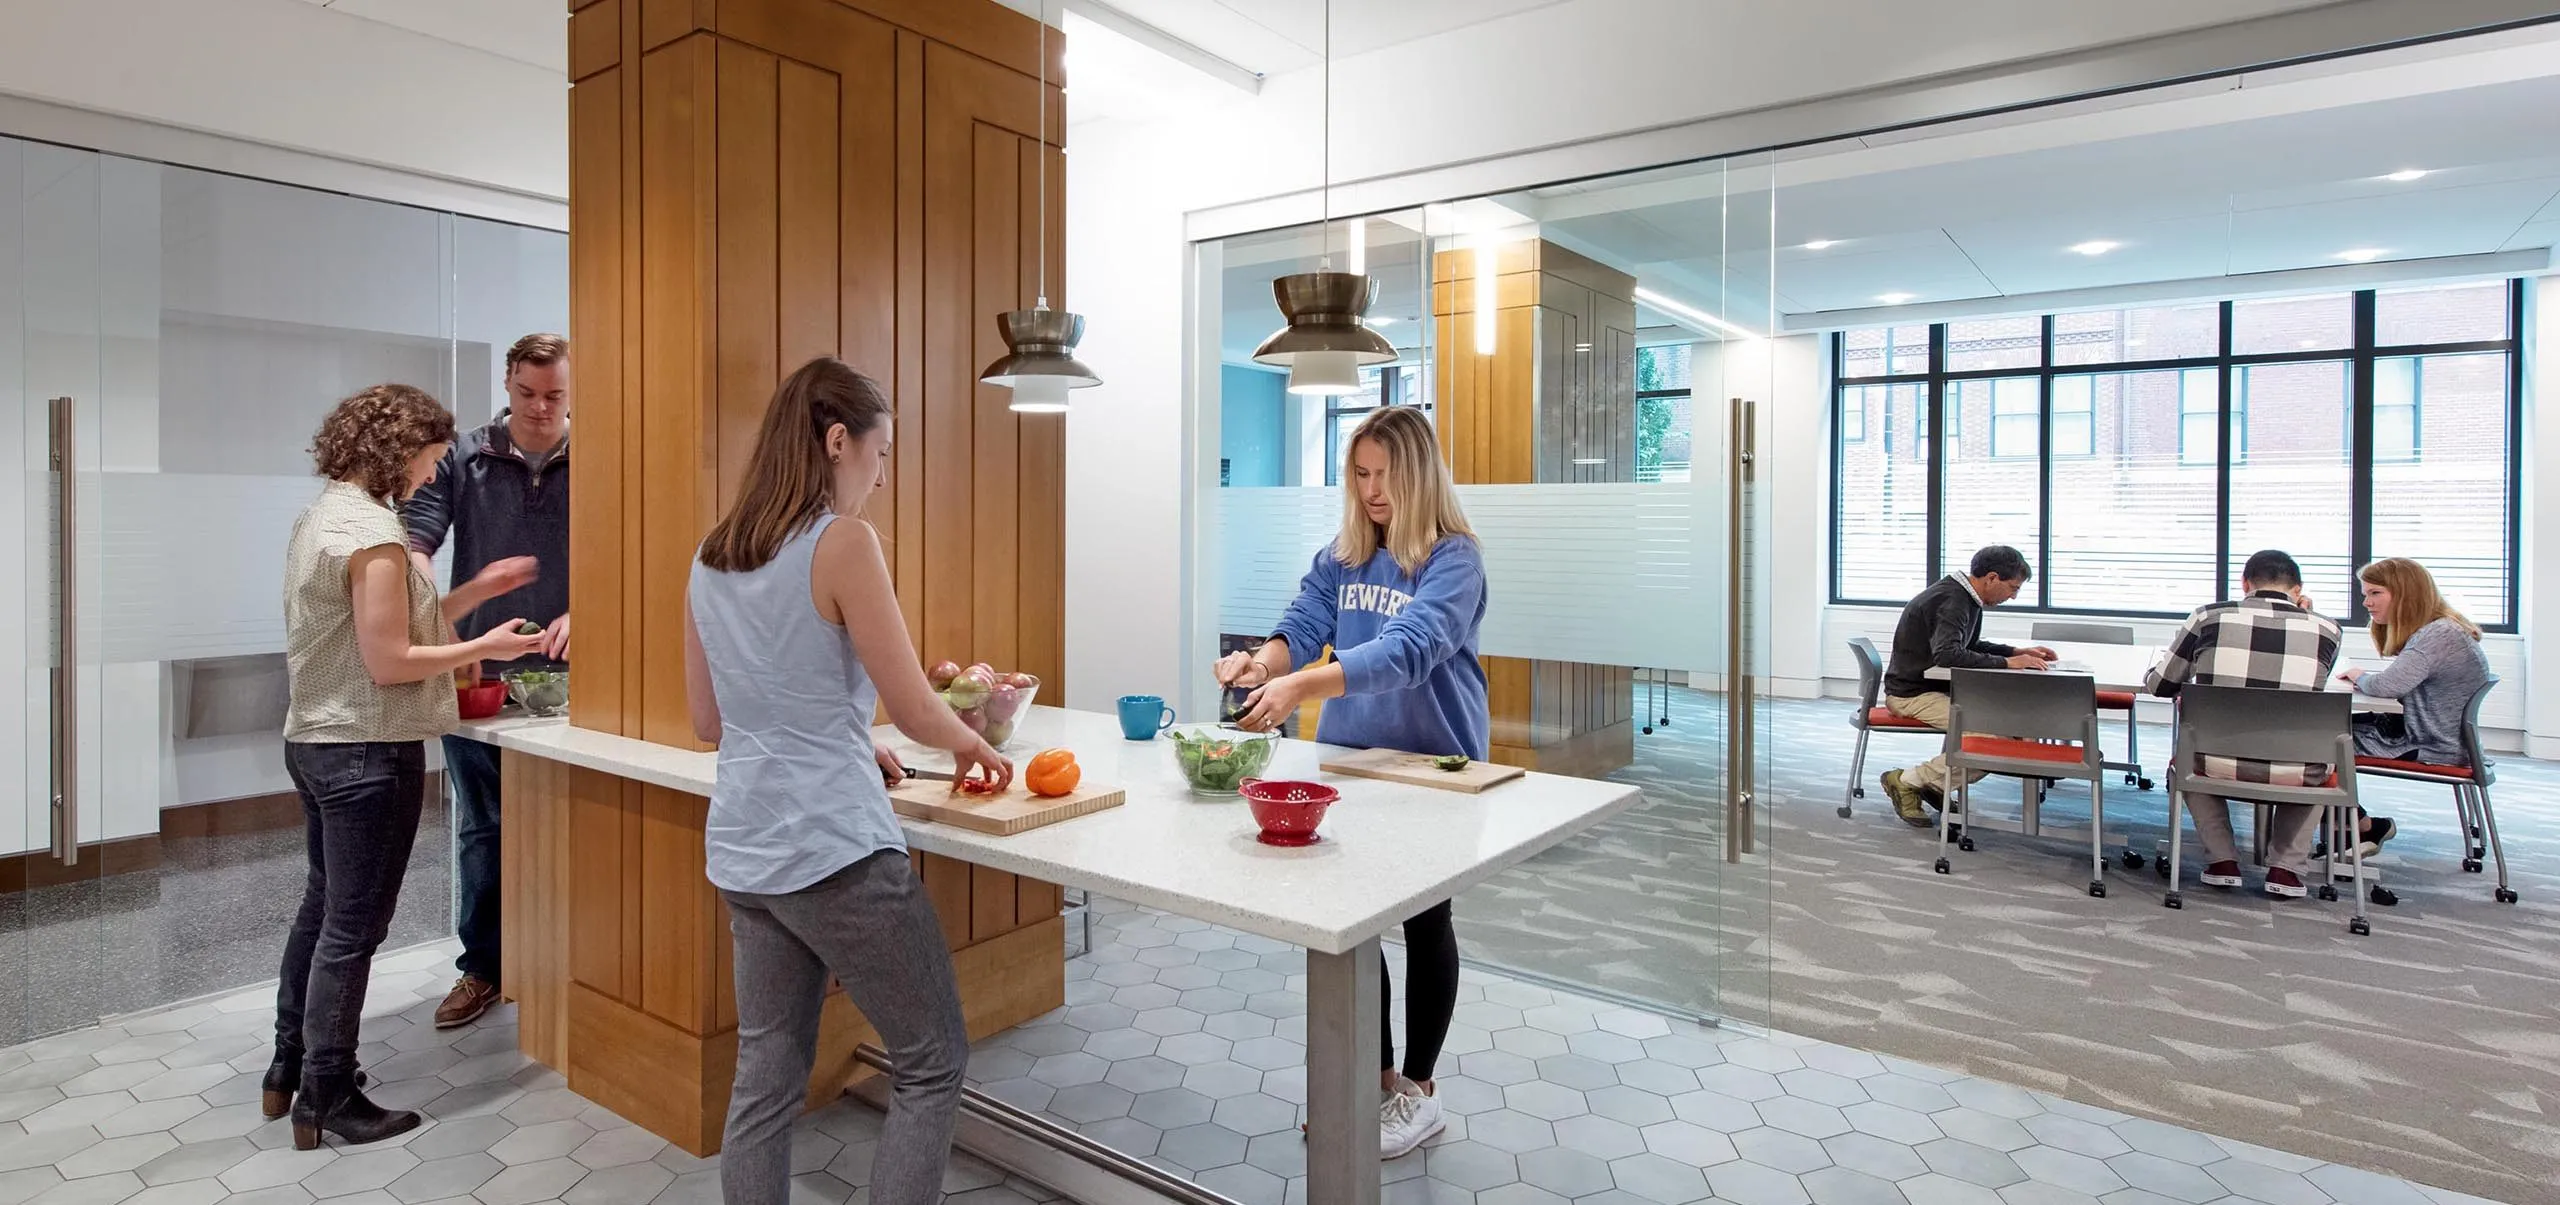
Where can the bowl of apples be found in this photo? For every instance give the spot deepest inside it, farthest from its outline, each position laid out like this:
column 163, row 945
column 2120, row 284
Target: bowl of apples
column 990, row 703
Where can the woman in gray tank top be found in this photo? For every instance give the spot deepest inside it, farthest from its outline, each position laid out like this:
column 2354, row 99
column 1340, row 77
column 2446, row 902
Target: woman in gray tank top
column 795, row 635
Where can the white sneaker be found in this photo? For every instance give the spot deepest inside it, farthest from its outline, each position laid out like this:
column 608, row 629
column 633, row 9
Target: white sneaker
column 1407, row 1118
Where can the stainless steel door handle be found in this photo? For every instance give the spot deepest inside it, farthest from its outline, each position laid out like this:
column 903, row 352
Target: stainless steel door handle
column 62, row 433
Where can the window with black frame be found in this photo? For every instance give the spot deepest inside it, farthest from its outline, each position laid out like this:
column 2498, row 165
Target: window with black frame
column 2138, row 455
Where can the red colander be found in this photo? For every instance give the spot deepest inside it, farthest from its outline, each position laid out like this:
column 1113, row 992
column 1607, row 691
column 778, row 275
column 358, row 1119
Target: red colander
column 1288, row 811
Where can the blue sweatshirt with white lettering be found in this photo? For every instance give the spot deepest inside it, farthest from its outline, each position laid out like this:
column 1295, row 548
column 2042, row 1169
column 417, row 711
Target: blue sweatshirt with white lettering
column 1407, row 644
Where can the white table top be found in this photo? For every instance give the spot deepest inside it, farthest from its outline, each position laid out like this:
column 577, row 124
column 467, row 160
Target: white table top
column 2125, row 666
column 1389, row 851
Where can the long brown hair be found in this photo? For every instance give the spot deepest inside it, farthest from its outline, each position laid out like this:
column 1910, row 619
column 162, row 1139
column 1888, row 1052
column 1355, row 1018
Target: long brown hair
column 2415, row 603
column 369, row 439
column 788, row 477
column 1425, row 506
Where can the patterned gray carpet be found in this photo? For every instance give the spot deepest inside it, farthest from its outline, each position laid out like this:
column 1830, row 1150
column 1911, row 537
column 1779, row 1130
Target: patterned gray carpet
column 2429, row 1049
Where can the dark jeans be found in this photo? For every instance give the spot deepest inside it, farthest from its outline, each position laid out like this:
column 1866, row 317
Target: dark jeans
column 360, row 807
column 472, row 769
column 1430, row 994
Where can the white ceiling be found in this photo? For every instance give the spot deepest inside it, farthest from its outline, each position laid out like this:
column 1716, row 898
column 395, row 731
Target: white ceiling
column 1273, row 37
column 528, row 31
column 2194, row 184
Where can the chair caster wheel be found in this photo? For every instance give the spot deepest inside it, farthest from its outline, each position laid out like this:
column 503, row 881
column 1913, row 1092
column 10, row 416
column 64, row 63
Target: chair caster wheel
column 1857, row 792
column 2146, row 784
column 2160, row 866
column 2172, row 901
column 1965, row 844
column 1844, row 811
column 2098, row 888
column 1944, row 867
column 2359, row 927
column 1648, row 730
column 2382, row 897
column 2506, row 895
column 2132, row 860
column 2328, row 894
column 2471, row 865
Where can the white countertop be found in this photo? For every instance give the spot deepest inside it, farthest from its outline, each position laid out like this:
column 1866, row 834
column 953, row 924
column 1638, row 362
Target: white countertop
column 1389, row 851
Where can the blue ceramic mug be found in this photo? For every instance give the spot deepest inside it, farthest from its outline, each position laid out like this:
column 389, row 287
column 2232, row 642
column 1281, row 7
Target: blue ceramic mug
column 1143, row 716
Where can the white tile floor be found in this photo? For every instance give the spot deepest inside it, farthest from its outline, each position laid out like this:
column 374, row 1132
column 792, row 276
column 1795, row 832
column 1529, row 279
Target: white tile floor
column 1180, row 1043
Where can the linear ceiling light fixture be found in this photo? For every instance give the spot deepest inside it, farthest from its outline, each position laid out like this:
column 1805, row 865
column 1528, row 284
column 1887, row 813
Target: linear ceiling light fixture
column 1325, row 340
column 2406, row 175
column 1692, row 315
column 2096, row 246
column 2361, row 255
column 1039, row 364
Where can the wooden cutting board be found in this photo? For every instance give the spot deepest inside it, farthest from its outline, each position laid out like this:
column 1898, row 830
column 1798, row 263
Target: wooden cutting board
column 1015, row 811
column 1415, row 769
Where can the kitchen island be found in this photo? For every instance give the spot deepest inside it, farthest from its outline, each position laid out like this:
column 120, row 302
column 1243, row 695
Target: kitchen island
column 1389, row 851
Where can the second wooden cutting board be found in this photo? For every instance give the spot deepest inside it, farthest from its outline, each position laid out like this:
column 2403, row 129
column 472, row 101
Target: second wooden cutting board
column 1415, row 769
column 1015, row 811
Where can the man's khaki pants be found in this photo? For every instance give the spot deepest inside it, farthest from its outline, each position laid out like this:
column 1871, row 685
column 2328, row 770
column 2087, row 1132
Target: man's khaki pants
column 1930, row 709
column 2289, row 832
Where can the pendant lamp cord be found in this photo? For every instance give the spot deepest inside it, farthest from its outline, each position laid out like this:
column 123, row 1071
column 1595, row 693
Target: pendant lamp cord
column 1043, row 151
column 1325, row 205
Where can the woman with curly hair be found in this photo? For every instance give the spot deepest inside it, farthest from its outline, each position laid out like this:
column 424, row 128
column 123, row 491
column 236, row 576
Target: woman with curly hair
column 371, row 675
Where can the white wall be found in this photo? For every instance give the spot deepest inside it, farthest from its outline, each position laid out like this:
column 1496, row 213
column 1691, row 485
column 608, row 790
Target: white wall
column 1561, row 74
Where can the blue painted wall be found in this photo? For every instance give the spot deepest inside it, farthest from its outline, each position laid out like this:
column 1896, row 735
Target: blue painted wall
column 1252, row 424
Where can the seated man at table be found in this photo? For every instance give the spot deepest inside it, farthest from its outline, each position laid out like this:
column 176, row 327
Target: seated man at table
column 1941, row 628
column 2270, row 639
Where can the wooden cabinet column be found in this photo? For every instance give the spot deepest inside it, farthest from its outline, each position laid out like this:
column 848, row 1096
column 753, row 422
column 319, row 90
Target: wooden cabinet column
column 1554, row 402
column 753, row 183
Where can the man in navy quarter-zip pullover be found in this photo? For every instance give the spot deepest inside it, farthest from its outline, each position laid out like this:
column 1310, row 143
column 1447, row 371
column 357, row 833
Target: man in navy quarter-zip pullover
column 501, row 494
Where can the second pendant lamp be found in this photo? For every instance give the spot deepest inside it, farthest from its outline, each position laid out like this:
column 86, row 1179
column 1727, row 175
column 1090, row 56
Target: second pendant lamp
column 1327, row 339
column 1040, row 363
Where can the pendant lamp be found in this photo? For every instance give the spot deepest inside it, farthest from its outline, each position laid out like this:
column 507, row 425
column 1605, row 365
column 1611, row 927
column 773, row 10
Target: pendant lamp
column 1325, row 341
column 1039, row 364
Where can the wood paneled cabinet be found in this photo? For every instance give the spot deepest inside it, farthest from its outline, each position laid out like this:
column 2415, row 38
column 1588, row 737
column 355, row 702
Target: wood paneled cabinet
column 754, row 183
column 1554, row 402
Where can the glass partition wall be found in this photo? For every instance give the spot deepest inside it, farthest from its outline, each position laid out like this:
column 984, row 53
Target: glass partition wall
column 171, row 338
column 1601, row 374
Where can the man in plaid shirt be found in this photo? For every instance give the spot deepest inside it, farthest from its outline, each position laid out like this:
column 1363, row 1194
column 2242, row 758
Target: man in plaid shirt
column 2271, row 640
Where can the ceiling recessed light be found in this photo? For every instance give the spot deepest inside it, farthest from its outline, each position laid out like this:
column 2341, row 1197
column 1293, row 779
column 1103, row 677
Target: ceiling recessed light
column 1895, row 298
column 1821, row 244
column 2361, row 255
column 2096, row 246
column 2405, row 175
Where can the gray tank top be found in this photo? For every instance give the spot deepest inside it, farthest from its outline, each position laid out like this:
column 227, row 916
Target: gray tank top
column 796, row 795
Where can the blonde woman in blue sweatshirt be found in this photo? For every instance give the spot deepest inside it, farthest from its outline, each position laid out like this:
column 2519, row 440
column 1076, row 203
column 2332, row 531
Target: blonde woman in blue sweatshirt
column 1399, row 596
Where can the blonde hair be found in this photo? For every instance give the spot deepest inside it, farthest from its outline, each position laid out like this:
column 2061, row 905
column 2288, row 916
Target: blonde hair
column 2415, row 603
column 1424, row 505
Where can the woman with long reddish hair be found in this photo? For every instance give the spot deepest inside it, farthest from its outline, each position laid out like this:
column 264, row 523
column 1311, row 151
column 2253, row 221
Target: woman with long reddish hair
column 2436, row 666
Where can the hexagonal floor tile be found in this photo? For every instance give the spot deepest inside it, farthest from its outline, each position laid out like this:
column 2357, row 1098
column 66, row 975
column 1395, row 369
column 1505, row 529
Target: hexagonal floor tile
column 1471, row 1165
column 1653, row 1178
column 1746, row 1183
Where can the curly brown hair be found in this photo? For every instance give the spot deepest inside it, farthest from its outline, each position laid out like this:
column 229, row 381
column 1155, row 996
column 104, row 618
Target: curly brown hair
column 369, row 439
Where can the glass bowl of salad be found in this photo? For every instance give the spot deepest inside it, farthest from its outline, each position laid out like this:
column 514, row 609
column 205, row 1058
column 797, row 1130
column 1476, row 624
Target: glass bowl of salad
column 1217, row 761
column 542, row 692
